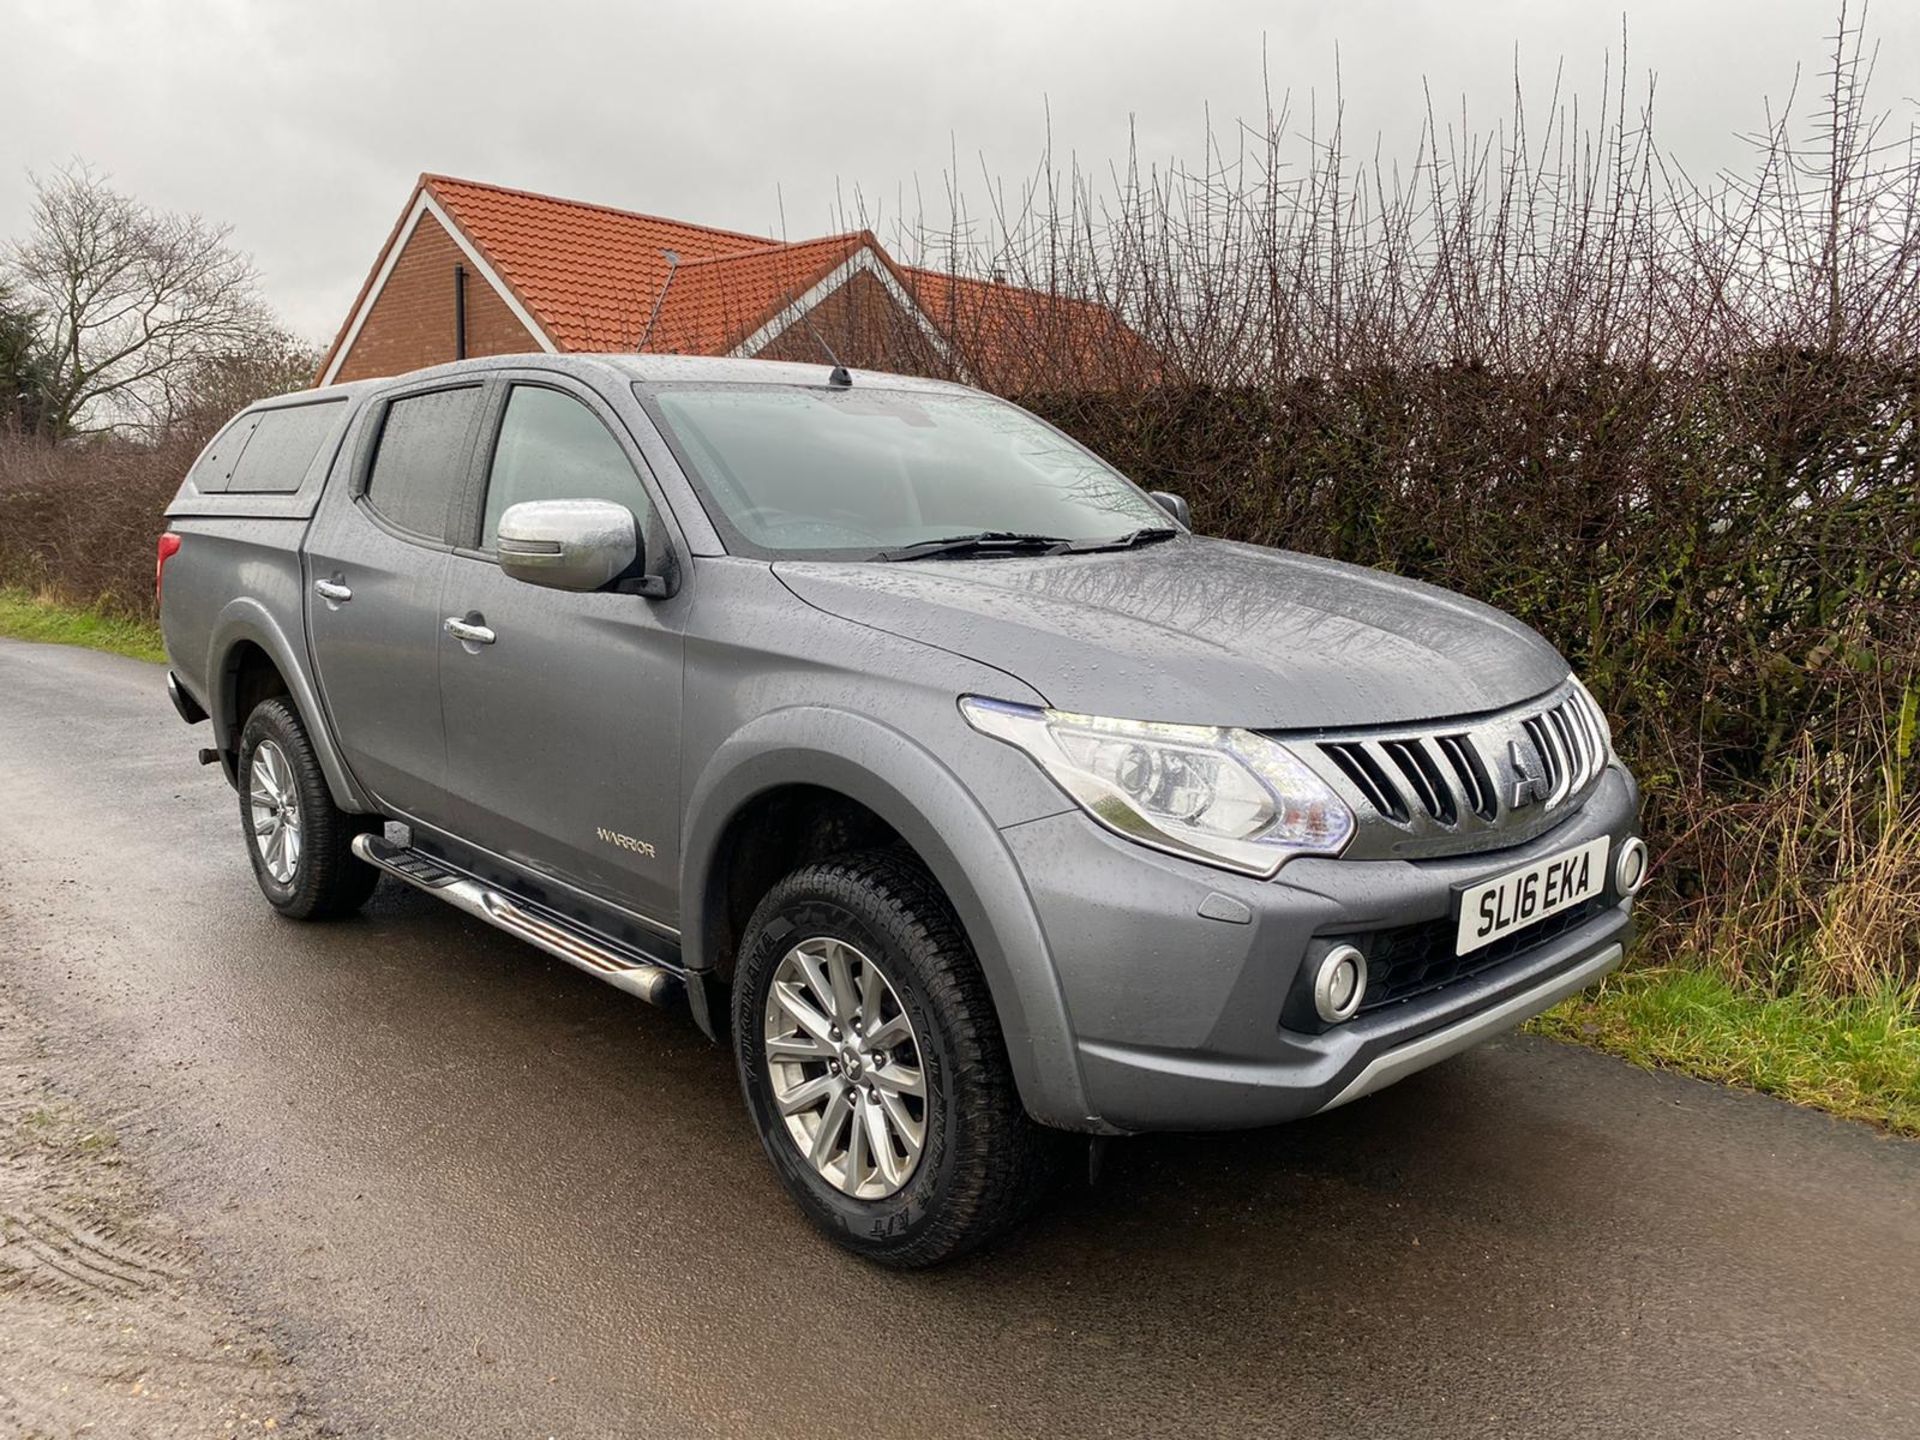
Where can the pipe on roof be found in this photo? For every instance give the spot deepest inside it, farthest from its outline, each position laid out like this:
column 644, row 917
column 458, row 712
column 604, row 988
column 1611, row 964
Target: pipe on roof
column 459, row 312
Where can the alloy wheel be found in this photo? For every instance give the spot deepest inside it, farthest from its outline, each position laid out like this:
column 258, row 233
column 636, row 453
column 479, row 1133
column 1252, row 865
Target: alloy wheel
column 274, row 804
column 845, row 1067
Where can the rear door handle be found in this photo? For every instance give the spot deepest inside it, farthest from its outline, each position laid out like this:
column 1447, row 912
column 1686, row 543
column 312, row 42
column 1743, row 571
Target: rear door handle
column 468, row 634
column 332, row 590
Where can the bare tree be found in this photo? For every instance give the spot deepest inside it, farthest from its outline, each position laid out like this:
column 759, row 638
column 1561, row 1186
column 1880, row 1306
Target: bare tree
column 207, row 392
column 132, row 302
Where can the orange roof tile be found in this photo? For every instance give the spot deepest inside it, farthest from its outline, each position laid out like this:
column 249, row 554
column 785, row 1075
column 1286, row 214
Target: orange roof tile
column 712, row 305
column 591, row 276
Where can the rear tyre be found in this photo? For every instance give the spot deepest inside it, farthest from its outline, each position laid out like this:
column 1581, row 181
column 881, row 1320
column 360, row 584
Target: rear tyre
column 873, row 1066
column 298, row 840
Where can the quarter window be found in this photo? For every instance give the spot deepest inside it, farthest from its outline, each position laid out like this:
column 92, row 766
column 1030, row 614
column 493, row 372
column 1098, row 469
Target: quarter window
column 214, row 468
column 421, row 459
column 284, row 443
column 552, row 447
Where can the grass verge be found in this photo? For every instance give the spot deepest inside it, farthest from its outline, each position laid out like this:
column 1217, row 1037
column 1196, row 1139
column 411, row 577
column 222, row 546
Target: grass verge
column 1858, row 1057
column 26, row 616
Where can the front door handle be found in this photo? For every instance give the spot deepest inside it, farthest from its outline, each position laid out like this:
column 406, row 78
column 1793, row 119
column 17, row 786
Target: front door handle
column 467, row 633
column 332, row 591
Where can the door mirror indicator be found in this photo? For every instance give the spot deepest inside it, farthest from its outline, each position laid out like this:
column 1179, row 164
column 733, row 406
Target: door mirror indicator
column 568, row 544
column 1173, row 504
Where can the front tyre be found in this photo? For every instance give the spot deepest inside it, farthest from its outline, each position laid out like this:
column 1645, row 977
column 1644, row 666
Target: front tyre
column 874, row 1069
column 298, row 840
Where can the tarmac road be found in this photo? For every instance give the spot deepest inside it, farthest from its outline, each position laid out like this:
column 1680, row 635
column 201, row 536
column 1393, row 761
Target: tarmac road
column 469, row 1191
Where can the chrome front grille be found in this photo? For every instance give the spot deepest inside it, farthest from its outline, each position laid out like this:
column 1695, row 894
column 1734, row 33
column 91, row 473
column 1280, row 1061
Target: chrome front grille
column 1491, row 782
column 1571, row 743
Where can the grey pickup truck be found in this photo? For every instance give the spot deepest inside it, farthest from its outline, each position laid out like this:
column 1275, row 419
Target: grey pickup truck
column 928, row 761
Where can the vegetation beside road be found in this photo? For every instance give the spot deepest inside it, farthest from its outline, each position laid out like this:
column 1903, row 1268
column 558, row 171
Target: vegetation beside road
column 26, row 616
column 1857, row 1056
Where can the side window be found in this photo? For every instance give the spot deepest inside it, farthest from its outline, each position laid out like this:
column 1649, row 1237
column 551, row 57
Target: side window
column 552, row 447
column 282, row 448
column 421, row 459
column 214, row 469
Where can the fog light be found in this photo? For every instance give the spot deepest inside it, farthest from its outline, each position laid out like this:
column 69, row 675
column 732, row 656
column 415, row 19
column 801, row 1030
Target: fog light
column 1339, row 984
column 1630, row 865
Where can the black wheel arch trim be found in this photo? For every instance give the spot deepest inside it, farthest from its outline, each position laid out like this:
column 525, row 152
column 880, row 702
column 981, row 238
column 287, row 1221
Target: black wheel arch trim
column 245, row 619
column 904, row 784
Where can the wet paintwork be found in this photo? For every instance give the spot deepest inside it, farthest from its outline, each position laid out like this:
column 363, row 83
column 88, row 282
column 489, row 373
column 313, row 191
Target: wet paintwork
column 1203, row 632
column 475, row 1193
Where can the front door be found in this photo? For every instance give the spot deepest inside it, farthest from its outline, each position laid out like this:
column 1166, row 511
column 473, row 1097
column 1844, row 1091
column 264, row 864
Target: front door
column 376, row 561
column 563, row 743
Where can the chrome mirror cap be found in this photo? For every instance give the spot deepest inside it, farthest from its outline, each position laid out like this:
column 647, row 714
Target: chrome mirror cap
column 567, row 544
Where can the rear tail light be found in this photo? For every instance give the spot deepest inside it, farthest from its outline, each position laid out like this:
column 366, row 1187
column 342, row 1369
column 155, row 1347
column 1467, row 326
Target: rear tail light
column 169, row 547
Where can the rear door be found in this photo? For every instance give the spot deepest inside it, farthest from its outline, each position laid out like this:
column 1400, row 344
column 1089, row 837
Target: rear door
column 376, row 561
column 563, row 730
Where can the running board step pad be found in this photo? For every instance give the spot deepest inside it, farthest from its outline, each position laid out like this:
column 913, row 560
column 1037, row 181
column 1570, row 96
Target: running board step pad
column 652, row 983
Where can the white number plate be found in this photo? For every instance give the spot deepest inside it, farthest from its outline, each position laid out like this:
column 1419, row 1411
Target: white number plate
column 1496, row 908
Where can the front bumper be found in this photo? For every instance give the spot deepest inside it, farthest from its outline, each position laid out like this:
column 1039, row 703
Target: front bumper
column 1436, row 1045
column 1175, row 975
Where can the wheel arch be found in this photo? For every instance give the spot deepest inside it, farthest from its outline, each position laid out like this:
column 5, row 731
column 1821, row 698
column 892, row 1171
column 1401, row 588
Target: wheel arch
column 906, row 788
column 245, row 636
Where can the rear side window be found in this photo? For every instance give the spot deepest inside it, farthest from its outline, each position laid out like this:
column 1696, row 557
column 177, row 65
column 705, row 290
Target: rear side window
column 284, row 443
column 213, row 471
column 552, row 447
column 422, row 459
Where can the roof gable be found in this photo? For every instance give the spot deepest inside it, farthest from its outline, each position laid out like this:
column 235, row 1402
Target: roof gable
column 1016, row 339
column 712, row 305
column 591, row 273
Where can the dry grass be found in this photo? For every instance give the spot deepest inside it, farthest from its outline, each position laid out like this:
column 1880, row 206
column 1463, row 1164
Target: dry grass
column 1821, row 875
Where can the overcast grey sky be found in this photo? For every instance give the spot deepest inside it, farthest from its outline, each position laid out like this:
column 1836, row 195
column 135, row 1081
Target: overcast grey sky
column 303, row 125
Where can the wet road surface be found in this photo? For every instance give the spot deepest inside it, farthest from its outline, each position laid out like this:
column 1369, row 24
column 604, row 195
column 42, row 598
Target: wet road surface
column 472, row 1192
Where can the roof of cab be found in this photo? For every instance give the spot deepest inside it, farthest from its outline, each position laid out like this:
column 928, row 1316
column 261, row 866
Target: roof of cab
column 647, row 369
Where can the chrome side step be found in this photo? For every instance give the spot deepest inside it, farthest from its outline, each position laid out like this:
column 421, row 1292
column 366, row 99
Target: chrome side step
column 652, row 983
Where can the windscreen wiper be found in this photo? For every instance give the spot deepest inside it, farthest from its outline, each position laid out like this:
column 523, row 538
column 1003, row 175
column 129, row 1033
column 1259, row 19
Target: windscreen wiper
column 1129, row 540
column 981, row 542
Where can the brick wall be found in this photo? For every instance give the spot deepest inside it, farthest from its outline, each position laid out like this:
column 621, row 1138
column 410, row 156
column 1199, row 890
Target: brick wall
column 866, row 328
column 412, row 322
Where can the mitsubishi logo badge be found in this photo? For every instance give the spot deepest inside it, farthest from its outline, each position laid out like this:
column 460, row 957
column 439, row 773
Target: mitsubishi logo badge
column 1530, row 776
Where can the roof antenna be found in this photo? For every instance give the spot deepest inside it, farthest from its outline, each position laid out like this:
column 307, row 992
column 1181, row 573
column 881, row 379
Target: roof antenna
column 838, row 376
column 673, row 268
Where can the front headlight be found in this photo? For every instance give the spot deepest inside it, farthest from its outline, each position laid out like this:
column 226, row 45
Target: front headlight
column 1227, row 797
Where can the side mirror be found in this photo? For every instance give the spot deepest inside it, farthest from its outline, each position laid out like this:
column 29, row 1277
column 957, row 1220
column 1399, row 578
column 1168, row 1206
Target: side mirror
column 1173, row 505
column 568, row 544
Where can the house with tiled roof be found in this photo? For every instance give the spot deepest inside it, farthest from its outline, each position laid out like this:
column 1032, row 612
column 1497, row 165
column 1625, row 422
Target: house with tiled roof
column 474, row 269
